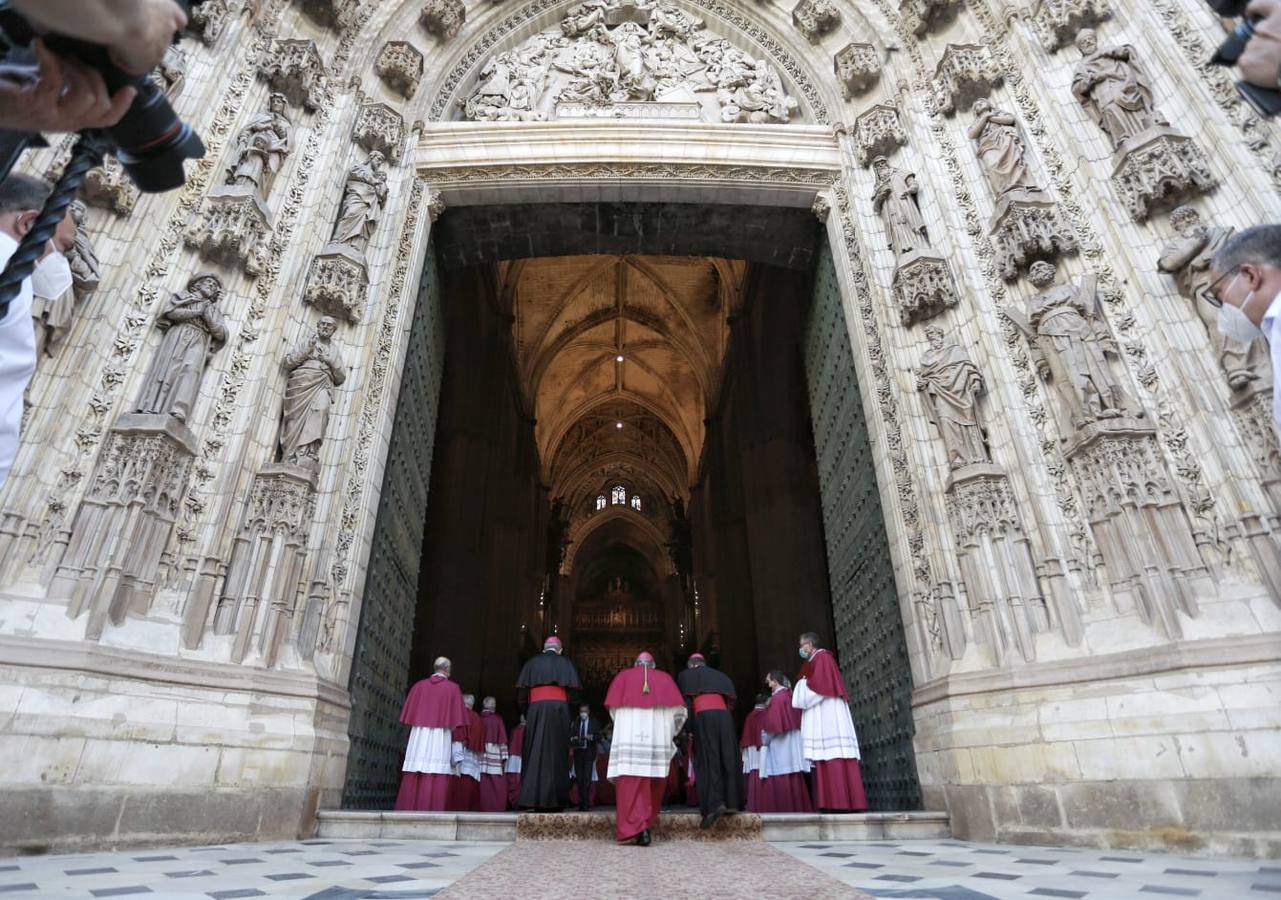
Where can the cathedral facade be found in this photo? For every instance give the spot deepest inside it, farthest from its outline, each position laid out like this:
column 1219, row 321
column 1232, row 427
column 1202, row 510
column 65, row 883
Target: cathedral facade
column 1049, row 490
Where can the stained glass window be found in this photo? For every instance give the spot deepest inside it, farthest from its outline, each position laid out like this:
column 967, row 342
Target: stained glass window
column 600, row 502
column 618, row 496
column 636, row 502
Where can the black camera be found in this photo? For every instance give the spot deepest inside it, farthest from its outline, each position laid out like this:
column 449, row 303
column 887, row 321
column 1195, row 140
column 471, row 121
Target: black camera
column 150, row 141
column 1264, row 101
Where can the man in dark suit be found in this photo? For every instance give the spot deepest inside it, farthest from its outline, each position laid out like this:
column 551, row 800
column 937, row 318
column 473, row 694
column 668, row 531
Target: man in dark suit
column 584, row 736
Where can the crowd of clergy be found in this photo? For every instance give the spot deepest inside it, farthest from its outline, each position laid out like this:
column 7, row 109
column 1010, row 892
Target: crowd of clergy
column 669, row 740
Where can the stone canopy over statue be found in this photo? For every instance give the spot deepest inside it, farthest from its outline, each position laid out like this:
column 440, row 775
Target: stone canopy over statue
column 629, row 58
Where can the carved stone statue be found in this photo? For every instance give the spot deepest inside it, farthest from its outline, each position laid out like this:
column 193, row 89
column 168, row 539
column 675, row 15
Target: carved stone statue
column 1188, row 260
column 895, row 198
column 262, row 146
column 952, row 385
column 171, row 73
column 1117, row 93
column 195, row 330
column 362, row 202
column 52, row 316
column 315, row 368
column 1071, row 347
column 1002, row 153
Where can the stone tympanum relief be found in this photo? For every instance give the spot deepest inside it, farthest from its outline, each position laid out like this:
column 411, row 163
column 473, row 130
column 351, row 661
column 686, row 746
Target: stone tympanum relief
column 952, row 385
column 52, row 316
column 113, row 559
column 629, row 59
column 338, row 282
column 194, row 331
column 315, row 368
column 923, row 286
column 1026, row 224
column 1074, row 351
column 1155, row 166
column 1188, row 259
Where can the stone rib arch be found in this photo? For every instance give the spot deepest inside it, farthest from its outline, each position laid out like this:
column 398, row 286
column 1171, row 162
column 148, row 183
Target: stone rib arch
column 576, row 416
column 576, row 484
column 592, row 524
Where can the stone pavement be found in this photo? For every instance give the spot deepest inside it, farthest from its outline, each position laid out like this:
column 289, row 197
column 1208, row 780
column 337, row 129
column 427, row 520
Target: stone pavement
column 349, row 869
column 963, row 870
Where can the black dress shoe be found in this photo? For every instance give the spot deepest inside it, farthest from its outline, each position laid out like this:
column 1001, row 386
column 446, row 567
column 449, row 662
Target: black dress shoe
column 710, row 819
column 644, row 839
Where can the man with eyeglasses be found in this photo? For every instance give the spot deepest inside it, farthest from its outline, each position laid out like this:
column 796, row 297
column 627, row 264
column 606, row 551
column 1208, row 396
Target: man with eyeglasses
column 1246, row 288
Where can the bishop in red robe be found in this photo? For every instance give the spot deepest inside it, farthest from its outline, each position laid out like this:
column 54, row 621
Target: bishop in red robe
column 433, row 709
column 648, row 712
column 493, row 778
column 783, row 764
column 827, row 730
column 751, row 747
column 469, row 746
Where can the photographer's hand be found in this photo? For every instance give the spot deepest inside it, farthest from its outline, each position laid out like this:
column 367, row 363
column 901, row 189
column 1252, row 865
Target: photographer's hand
column 135, row 31
column 67, row 96
column 1260, row 62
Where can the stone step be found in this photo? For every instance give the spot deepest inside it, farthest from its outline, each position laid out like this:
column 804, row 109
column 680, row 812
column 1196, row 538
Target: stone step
column 509, row 826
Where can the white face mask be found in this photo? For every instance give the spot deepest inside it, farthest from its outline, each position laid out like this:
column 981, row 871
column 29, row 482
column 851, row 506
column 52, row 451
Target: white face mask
column 52, row 277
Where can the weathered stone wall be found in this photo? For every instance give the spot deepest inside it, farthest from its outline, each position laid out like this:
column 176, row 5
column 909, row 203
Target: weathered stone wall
column 1020, row 576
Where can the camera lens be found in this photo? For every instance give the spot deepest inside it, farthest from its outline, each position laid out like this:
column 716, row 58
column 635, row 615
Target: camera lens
column 153, row 142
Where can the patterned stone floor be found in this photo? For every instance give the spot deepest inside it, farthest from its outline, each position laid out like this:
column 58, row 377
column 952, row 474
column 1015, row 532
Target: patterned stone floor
column 350, row 869
column 959, row 870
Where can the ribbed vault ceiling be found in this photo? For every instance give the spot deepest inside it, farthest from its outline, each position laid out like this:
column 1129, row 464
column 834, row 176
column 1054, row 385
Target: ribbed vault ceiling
column 638, row 421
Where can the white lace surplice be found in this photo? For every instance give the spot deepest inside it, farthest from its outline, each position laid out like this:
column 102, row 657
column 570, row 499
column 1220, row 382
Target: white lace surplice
column 429, row 751
column 827, row 729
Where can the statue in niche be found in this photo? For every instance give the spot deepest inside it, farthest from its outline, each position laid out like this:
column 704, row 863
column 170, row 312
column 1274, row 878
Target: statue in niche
column 194, row 331
column 362, row 202
column 52, row 316
column 315, row 368
column 1115, row 91
column 1071, row 347
column 1188, row 260
column 262, row 146
column 1001, row 151
column 952, row 384
column 895, row 198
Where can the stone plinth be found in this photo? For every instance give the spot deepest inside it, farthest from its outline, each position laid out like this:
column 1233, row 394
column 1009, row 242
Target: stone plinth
column 231, row 229
column 1026, row 227
column 1158, row 170
column 338, row 282
column 124, row 523
column 264, row 577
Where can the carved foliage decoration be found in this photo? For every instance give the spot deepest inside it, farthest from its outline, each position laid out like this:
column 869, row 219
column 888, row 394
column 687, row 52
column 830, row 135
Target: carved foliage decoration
column 294, row 68
column 878, row 132
column 1252, row 410
column 857, row 68
column 816, row 18
column 1056, row 22
column 400, row 66
column 379, row 127
column 964, row 74
column 443, row 18
column 109, row 187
